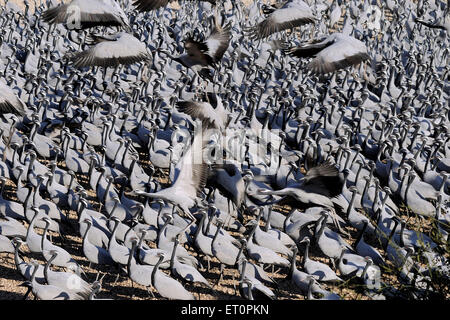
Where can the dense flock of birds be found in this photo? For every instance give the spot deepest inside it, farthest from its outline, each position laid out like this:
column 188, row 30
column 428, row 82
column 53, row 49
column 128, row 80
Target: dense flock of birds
column 319, row 125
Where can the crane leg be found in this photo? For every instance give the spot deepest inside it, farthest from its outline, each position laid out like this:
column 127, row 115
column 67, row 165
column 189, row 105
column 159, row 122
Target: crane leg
column 132, row 289
column 117, row 277
column 80, row 271
column 234, row 210
column 234, row 284
column 26, row 294
column 333, row 264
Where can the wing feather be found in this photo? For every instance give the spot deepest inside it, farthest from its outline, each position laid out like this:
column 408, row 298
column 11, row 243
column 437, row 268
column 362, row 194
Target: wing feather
column 218, row 42
column 148, row 5
column 197, row 52
column 9, row 102
column 344, row 52
column 88, row 13
column 191, row 171
column 201, row 110
column 323, row 179
column 309, row 50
